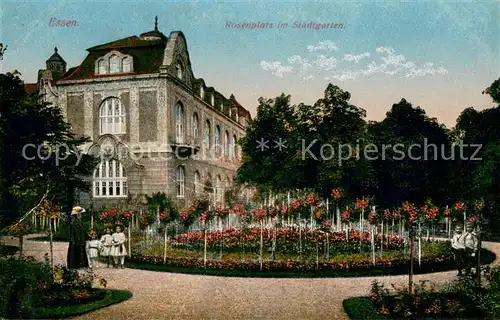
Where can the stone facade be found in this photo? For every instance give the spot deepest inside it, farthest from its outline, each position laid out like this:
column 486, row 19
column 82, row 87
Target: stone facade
column 153, row 139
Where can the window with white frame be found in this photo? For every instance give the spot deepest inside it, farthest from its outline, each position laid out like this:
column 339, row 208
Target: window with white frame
column 179, row 123
column 180, row 182
column 101, row 66
column 114, row 64
column 227, row 144
column 218, row 189
column 212, row 100
column 217, row 136
column 197, row 183
column 196, row 126
column 235, row 147
column 110, row 180
column 206, row 137
column 112, row 117
column 202, row 92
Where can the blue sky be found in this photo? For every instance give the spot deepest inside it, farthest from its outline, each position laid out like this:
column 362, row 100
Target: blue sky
column 439, row 55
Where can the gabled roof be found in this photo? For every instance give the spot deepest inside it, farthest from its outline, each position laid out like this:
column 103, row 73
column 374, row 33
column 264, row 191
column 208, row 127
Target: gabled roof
column 129, row 42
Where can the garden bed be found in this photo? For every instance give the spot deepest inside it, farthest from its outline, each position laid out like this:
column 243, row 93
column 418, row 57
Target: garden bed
column 284, row 269
column 6, row 250
column 91, row 300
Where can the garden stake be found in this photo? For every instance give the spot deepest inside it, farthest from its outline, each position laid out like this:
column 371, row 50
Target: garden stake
column 261, row 245
column 164, row 245
column 205, row 248
column 412, row 246
column 51, row 250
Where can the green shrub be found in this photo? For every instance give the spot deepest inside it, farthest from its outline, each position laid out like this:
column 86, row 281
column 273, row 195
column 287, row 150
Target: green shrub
column 20, row 285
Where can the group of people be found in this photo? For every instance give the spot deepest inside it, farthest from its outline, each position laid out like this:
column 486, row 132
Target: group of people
column 464, row 246
column 110, row 246
column 85, row 249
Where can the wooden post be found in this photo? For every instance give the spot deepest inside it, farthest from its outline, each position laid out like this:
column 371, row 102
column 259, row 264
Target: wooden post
column 165, row 245
column 412, row 249
column 129, row 240
column 51, row 250
column 479, row 245
column 261, row 244
column 373, row 244
column 205, row 246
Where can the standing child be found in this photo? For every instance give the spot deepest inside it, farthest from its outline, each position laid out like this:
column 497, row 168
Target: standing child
column 458, row 247
column 118, row 250
column 93, row 247
column 107, row 244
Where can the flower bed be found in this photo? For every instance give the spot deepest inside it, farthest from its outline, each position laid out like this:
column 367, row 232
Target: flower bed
column 286, row 240
column 286, row 268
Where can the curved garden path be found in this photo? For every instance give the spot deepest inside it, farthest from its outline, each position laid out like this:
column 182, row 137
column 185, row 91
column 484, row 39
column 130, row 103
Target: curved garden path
column 159, row 295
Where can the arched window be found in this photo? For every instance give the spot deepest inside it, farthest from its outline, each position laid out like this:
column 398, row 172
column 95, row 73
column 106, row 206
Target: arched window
column 217, row 136
column 180, row 182
column 179, row 123
column 114, row 64
column 196, row 126
column 179, row 71
column 235, row 147
column 227, row 144
column 209, row 183
column 101, row 66
column 110, row 180
column 212, row 100
column 202, row 92
column 206, row 135
column 112, row 117
column 197, row 183
column 127, row 64
column 218, row 189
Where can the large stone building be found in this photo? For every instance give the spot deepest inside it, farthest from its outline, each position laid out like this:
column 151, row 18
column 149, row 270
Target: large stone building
column 156, row 127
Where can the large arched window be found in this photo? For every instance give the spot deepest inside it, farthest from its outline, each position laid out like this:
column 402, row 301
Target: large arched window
column 112, row 117
column 101, row 66
column 110, row 180
column 206, row 136
column 227, row 144
column 235, row 147
column 217, row 136
column 180, row 182
column 197, row 183
column 114, row 64
column 218, row 189
column 196, row 126
column 179, row 123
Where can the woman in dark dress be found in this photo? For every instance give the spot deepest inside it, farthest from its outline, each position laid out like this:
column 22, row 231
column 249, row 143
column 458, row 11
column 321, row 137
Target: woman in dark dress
column 77, row 255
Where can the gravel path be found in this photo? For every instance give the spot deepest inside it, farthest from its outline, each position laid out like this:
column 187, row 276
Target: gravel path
column 160, row 295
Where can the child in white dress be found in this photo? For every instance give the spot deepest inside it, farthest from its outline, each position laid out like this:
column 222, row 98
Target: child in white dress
column 93, row 247
column 118, row 250
column 107, row 243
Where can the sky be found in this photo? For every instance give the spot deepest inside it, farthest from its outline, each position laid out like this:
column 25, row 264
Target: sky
column 439, row 55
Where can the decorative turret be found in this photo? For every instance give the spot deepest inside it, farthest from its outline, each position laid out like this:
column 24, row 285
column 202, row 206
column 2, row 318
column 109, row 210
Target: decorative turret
column 56, row 63
column 153, row 35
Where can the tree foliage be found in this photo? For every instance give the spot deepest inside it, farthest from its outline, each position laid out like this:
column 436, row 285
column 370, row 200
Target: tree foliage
column 40, row 156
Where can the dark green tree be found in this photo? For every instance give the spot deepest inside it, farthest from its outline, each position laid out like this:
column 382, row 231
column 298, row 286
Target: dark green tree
column 409, row 162
column 40, row 156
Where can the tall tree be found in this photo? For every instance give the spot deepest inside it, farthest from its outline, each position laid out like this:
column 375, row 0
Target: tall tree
column 40, row 156
column 410, row 148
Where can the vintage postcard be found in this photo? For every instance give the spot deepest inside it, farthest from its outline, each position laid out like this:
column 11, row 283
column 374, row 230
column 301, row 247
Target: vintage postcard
column 249, row 159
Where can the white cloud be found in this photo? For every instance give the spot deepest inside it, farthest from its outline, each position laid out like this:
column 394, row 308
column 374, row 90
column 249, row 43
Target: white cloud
column 385, row 62
column 276, row 67
column 323, row 46
column 326, row 63
column 302, row 62
column 356, row 57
